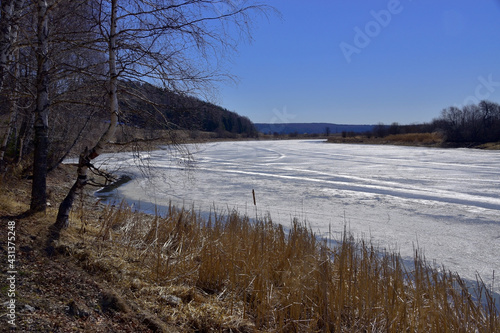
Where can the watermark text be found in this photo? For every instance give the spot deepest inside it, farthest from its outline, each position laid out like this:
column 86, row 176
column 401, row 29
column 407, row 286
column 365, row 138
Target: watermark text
column 364, row 36
column 11, row 273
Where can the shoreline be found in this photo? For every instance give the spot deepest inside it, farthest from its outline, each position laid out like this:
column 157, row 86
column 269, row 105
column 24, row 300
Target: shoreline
column 105, row 192
column 281, row 215
column 136, row 272
column 410, row 140
column 163, row 212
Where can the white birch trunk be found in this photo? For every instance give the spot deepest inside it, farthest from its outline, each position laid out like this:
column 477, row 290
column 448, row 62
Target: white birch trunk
column 87, row 156
column 8, row 36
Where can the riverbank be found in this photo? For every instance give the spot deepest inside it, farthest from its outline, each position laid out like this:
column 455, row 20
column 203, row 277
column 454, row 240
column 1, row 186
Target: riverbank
column 412, row 139
column 116, row 270
column 434, row 140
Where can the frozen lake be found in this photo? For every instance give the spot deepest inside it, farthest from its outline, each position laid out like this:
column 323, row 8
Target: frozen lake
column 444, row 201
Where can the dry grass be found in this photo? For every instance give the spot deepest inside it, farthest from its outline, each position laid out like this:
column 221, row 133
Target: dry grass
column 10, row 194
column 490, row 146
column 8, row 203
column 415, row 138
column 232, row 275
column 410, row 139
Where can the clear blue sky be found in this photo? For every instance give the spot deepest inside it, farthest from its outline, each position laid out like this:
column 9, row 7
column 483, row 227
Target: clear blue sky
column 365, row 62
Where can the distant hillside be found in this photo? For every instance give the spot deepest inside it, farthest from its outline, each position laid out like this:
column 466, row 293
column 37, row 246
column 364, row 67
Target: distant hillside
column 149, row 105
column 310, row 128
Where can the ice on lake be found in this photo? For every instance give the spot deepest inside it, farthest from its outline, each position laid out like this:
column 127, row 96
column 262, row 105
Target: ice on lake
column 446, row 202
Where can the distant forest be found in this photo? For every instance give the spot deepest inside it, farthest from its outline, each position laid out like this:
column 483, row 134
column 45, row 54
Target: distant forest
column 465, row 126
column 310, row 128
column 458, row 126
column 151, row 106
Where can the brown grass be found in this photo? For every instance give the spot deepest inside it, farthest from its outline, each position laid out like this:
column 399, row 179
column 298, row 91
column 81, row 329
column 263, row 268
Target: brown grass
column 415, row 138
column 410, row 139
column 490, row 146
column 233, row 275
column 229, row 274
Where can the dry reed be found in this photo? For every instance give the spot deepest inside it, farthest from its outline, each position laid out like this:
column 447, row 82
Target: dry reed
column 233, row 274
column 420, row 138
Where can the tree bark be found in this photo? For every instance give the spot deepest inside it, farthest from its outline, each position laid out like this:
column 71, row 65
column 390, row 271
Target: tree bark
column 41, row 126
column 8, row 36
column 9, row 28
column 7, row 11
column 5, row 140
column 11, row 128
column 62, row 220
column 13, row 116
column 26, row 124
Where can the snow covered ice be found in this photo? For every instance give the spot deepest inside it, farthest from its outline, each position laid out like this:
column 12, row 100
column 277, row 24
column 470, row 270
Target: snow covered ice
column 446, row 202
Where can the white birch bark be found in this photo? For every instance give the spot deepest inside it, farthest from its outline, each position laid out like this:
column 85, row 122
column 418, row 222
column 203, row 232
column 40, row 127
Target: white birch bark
column 87, row 156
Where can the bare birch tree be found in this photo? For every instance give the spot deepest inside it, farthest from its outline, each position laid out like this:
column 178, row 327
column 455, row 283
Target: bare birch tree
column 10, row 15
column 30, row 66
column 176, row 44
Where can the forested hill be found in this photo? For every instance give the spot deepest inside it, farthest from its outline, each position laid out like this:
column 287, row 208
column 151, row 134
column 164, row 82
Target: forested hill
column 310, row 128
column 147, row 105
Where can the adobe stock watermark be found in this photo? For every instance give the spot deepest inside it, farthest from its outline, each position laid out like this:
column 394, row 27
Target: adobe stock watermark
column 373, row 28
column 10, row 305
column 280, row 118
column 483, row 91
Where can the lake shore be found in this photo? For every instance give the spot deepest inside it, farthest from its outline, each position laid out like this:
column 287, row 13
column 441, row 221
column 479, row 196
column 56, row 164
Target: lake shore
column 433, row 140
column 218, row 274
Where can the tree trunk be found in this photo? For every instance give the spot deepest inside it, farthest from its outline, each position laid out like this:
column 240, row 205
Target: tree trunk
column 10, row 11
column 12, row 126
column 39, row 185
column 26, row 123
column 62, row 220
column 7, row 9
column 10, row 130
column 8, row 36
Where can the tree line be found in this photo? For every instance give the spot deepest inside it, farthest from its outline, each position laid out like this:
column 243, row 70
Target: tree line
column 475, row 123
column 463, row 126
column 183, row 112
column 74, row 72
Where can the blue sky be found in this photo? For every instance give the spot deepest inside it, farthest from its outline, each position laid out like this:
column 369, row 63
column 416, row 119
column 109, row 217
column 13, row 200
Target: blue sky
column 365, row 62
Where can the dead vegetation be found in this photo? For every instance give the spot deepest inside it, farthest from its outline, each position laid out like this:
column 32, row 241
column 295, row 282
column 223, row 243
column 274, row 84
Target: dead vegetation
column 119, row 270
column 409, row 139
column 416, row 138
